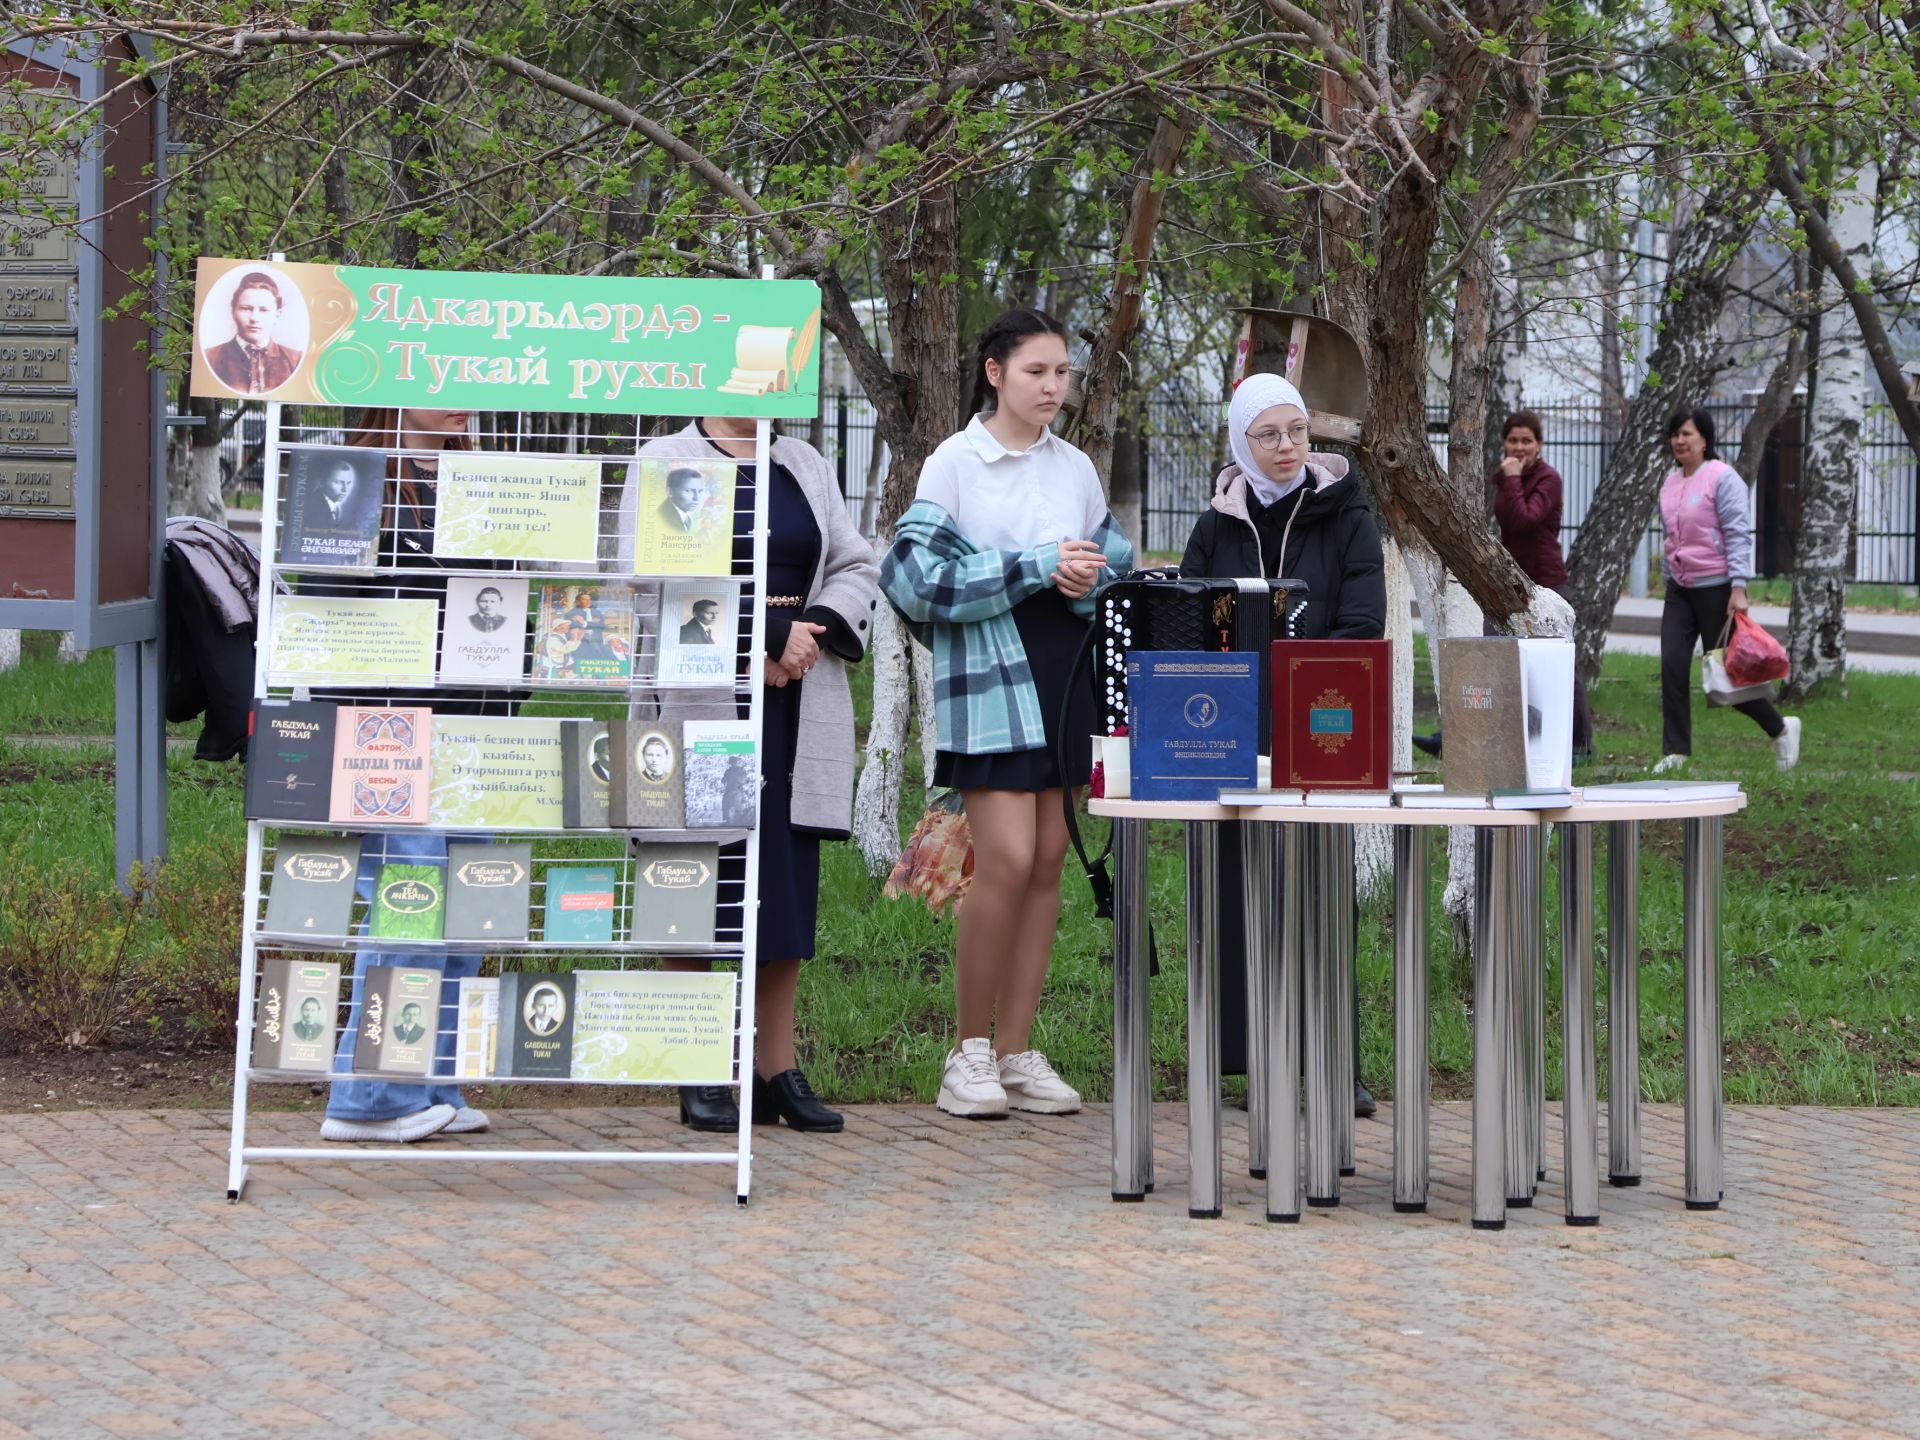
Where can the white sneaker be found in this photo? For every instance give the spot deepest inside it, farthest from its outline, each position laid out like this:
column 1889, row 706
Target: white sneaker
column 971, row 1085
column 466, row 1121
column 1670, row 762
column 1786, row 745
column 1032, row 1085
column 403, row 1130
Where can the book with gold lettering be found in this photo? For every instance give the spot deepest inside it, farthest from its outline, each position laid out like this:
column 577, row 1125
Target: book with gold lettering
column 487, row 889
column 311, row 892
column 676, row 889
column 409, row 902
column 399, row 1021
column 1332, row 715
column 290, row 760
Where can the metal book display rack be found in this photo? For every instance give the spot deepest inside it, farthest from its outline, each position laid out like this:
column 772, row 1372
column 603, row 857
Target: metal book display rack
column 290, row 429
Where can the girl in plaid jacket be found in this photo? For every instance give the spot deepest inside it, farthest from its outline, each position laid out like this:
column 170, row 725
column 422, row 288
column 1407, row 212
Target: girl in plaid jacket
column 994, row 567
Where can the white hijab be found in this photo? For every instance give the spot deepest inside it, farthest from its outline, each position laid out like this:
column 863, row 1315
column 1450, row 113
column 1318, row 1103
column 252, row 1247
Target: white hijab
column 1257, row 394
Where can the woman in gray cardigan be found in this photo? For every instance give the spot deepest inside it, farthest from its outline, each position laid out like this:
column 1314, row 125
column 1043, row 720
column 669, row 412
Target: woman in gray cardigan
column 821, row 586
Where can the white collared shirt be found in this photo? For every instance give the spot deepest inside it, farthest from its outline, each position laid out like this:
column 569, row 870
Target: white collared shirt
column 1013, row 499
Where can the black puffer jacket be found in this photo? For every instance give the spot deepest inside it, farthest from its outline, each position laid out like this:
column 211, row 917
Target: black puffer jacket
column 1332, row 544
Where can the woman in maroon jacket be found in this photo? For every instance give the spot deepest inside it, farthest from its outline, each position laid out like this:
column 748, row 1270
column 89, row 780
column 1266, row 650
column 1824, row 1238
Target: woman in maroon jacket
column 1526, row 503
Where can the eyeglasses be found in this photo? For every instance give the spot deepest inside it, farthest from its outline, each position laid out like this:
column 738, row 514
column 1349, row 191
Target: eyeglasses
column 1270, row 439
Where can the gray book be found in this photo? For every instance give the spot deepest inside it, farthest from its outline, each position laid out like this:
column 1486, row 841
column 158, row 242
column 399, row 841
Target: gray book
column 295, row 1015
column 311, row 889
column 1482, row 699
column 676, row 889
column 488, row 888
column 586, row 774
column 647, row 791
column 399, row 1021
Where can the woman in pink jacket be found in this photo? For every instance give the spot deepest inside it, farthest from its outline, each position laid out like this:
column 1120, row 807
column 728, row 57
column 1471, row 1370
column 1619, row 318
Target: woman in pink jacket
column 1708, row 561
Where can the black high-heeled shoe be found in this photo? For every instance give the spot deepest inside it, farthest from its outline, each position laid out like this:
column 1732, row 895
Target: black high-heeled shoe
column 788, row 1097
column 709, row 1108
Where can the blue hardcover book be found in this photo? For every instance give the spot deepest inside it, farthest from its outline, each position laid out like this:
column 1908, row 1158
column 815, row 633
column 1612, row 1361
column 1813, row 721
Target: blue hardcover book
column 1193, row 718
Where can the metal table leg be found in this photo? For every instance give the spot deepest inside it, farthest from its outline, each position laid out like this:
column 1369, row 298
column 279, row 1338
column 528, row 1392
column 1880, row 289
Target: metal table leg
column 1284, row 941
column 1344, row 984
column 1203, row 1019
column 1623, row 1002
column 1537, row 1015
column 1493, row 905
column 1579, row 1101
column 1524, row 972
column 1701, row 909
column 1132, row 1117
column 1410, row 1074
column 1257, row 902
column 1320, row 1019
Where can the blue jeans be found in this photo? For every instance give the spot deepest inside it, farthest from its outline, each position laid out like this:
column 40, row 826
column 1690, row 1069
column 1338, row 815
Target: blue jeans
column 371, row 1099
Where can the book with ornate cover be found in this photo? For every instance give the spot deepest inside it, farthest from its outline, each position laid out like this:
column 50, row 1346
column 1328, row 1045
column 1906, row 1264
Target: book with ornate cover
column 647, row 791
column 399, row 1021
column 380, row 770
column 487, row 889
column 409, row 902
column 676, row 889
column 295, row 1015
column 536, row 1026
column 1193, row 723
column 332, row 514
column 580, row 904
column 586, row 771
column 311, row 892
column 1510, row 703
column 721, row 777
column 1332, row 714
column 290, row 760
column 683, row 516
column 583, row 634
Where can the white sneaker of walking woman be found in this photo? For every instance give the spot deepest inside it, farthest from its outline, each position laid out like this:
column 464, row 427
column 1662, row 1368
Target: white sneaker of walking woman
column 1031, row 1085
column 971, row 1085
column 1786, row 745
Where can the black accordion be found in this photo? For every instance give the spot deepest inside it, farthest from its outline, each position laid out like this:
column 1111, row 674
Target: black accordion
column 1162, row 610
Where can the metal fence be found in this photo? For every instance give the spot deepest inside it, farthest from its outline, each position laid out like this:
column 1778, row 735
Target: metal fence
column 1184, row 446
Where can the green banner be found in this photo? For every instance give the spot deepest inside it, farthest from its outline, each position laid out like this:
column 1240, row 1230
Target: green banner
column 455, row 340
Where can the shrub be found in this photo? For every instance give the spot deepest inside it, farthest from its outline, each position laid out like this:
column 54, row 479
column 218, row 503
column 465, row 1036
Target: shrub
column 69, row 968
column 199, row 902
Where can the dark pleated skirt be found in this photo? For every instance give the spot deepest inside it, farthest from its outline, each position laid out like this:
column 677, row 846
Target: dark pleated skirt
column 1051, row 634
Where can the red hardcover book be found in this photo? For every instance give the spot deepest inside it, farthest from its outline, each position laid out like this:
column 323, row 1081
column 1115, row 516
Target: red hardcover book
column 1332, row 714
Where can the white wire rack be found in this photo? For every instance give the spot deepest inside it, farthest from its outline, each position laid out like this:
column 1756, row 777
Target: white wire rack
column 630, row 625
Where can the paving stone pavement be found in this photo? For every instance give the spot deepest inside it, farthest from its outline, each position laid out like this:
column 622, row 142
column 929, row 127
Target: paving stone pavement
column 930, row 1278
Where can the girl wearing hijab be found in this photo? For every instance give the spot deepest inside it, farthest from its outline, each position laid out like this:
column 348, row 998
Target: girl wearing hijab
column 1280, row 513
column 995, row 567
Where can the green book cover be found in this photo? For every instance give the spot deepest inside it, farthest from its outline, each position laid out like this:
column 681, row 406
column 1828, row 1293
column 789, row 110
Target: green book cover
column 581, row 900
column 487, row 888
column 409, row 903
column 497, row 774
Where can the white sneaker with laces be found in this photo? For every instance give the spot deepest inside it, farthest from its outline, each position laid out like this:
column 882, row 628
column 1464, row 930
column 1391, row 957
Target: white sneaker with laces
column 467, row 1121
column 1032, row 1085
column 1786, row 745
column 971, row 1086
column 1670, row 762
column 402, row 1130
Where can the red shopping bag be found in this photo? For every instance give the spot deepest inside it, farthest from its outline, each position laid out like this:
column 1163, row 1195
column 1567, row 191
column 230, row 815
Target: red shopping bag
column 1753, row 656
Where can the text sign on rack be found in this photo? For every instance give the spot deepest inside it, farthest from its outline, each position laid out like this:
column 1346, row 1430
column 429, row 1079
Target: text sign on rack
column 453, row 340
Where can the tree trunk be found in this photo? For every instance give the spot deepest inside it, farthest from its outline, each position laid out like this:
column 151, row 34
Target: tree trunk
column 1679, row 372
column 1771, row 408
column 1446, row 609
column 1373, row 844
column 193, row 465
column 1506, row 377
column 9, row 650
column 1817, row 627
column 919, row 258
column 1126, row 488
column 1107, row 365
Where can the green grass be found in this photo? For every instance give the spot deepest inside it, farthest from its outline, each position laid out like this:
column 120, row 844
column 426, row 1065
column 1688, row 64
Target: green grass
column 1821, row 923
column 1779, row 591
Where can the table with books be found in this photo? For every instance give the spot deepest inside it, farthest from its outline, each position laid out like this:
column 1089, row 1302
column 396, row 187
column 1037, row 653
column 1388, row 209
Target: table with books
column 1297, row 899
column 505, row 751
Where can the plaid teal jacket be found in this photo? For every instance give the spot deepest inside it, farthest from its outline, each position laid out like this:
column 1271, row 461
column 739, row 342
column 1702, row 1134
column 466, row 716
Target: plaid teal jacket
column 959, row 601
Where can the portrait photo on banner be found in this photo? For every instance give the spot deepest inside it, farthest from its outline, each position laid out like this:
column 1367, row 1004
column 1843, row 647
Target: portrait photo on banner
column 253, row 329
